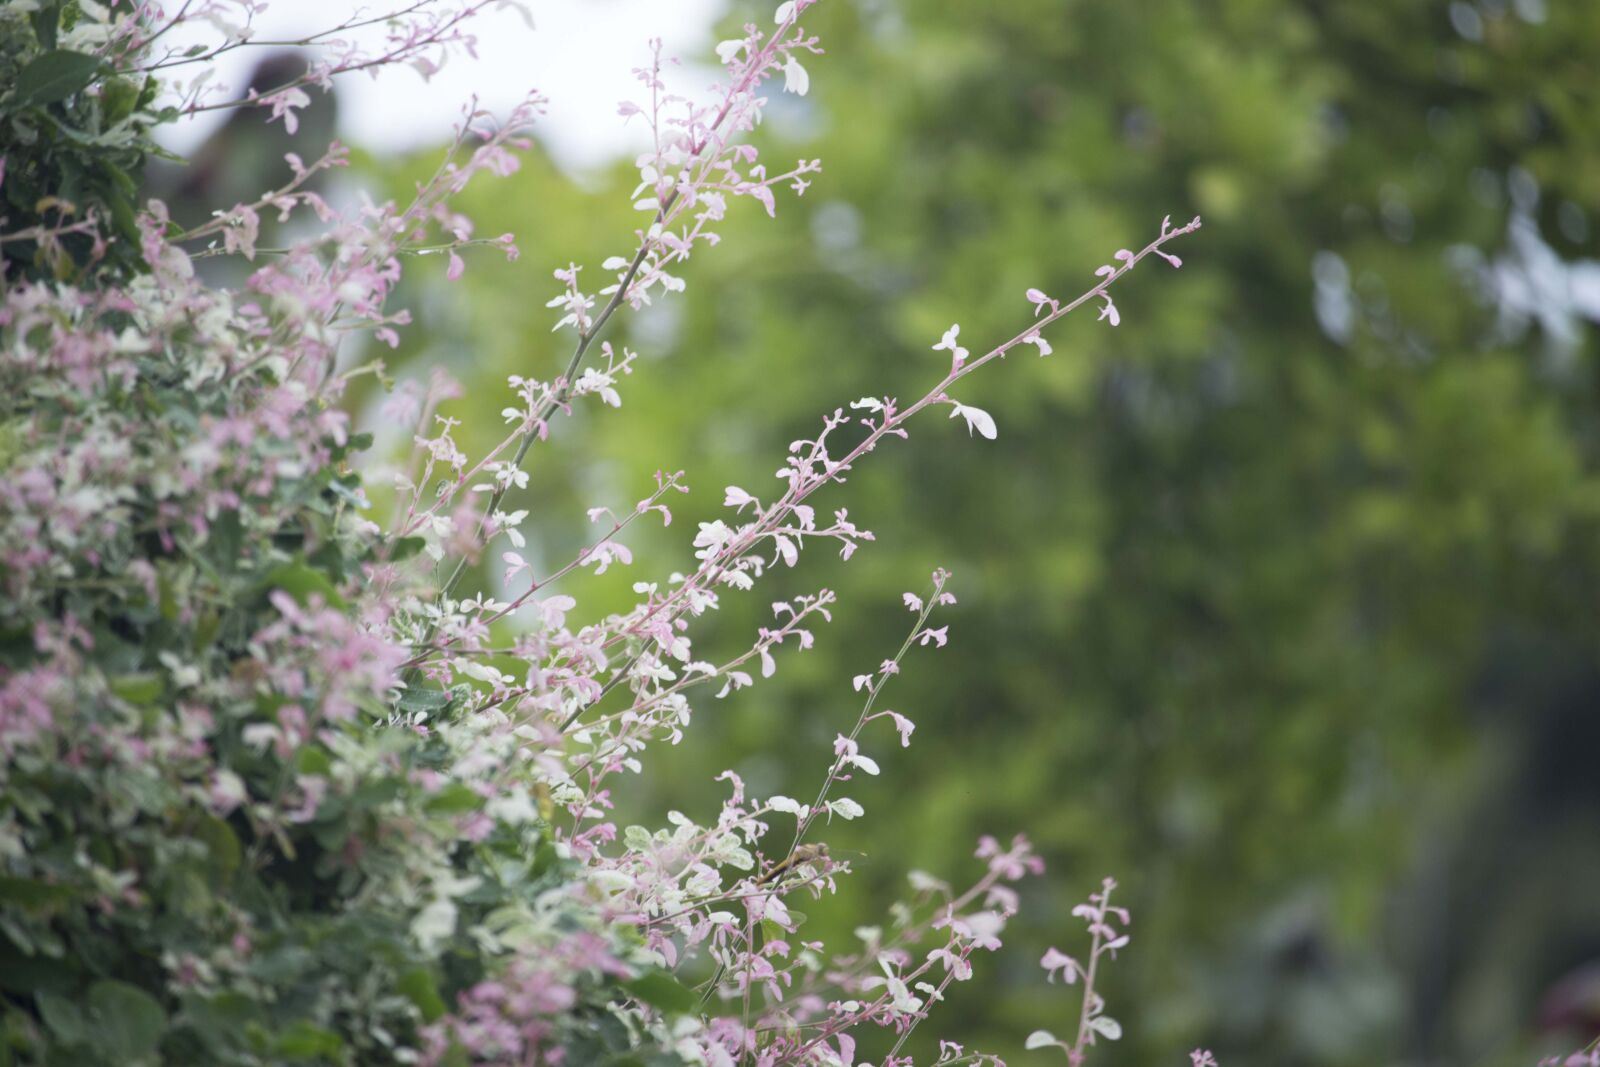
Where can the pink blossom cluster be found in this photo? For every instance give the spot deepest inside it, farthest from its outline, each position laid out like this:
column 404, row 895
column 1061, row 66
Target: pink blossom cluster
column 510, row 1018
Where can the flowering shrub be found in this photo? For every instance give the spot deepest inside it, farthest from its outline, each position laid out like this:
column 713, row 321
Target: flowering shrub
column 73, row 157
column 275, row 788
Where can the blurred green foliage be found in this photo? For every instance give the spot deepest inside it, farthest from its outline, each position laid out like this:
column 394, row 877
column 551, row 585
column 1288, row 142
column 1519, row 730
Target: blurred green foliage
column 74, row 136
column 1277, row 602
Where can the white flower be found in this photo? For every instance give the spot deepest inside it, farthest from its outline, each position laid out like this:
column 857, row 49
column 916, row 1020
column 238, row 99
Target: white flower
column 948, row 341
column 728, row 51
column 513, row 808
column 433, row 924
column 258, row 735
column 711, row 538
column 977, row 419
column 795, row 78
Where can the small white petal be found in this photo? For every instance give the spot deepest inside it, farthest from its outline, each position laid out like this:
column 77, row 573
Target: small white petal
column 795, row 78
column 977, row 419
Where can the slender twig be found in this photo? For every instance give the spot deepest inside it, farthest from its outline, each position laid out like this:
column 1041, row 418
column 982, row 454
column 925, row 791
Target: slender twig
column 303, row 42
column 873, row 690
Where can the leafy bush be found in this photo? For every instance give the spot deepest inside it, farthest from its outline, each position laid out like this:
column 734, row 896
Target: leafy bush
column 76, row 112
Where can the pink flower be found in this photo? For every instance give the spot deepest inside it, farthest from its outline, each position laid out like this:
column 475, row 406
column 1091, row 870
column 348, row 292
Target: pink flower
column 1055, row 961
column 1110, row 310
column 904, row 726
column 283, row 104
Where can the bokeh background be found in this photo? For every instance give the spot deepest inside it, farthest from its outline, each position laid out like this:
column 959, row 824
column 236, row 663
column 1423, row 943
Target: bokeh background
column 1277, row 602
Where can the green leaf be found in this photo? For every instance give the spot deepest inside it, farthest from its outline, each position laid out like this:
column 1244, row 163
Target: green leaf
column 302, row 582
column 285, row 964
column 771, row 931
column 429, row 700
column 47, row 22
column 28, row 895
column 184, row 890
column 54, row 76
column 118, row 98
column 332, row 827
column 419, row 987
column 221, row 1021
column 167, row 594
column 453, row 799
column 303, row 1041
column 63, row 1018
column 34, row 975
column 205, row 630
column 128, row 1022
column 139, row 689
column 312, row 759
column 13, row 436
column 226, row 541
column 545, row 858
column 373, row 792
column 406, row 547
column 660, row 989
column 222, row 849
